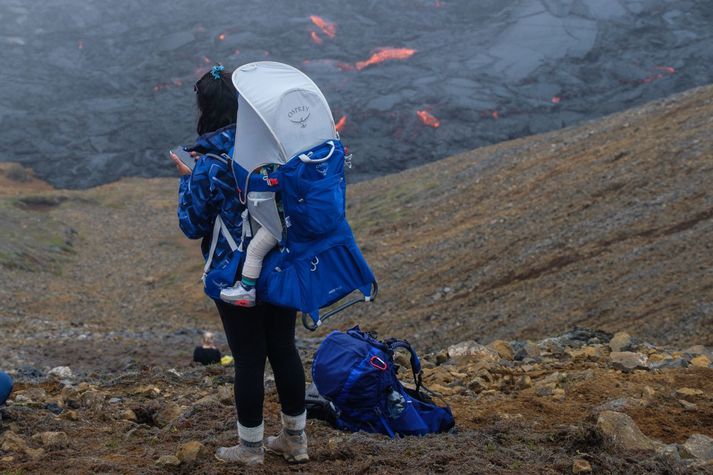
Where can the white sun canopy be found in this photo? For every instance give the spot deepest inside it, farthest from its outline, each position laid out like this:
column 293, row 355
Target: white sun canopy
column 281, row 112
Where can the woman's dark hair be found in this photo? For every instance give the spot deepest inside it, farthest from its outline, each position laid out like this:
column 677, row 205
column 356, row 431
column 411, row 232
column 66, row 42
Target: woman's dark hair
column 217, row 102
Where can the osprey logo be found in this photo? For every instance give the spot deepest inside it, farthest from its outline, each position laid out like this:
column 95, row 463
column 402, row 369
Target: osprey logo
column 299, row 115
column 322, row 168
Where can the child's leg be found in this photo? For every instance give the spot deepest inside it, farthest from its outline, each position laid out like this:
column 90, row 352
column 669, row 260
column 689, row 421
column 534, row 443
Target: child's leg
column 258, row 248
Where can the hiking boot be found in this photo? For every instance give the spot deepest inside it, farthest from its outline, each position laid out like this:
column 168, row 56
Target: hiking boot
column 291, row 442
column 238, row 295
column 243, row 453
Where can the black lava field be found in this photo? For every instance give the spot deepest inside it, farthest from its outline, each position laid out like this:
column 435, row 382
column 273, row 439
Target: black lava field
column 95, row 90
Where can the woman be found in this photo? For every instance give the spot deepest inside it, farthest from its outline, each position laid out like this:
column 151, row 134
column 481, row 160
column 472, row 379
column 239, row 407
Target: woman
column 253, row 333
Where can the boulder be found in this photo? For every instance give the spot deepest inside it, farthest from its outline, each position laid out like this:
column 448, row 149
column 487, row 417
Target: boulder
column 670, row 363
column 190, row 451
column 621, row 341
column 628, row 361
column 698, row 446
column 620, row 430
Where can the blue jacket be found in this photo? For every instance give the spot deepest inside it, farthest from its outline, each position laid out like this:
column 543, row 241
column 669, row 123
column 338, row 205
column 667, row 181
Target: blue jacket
column 210, row 191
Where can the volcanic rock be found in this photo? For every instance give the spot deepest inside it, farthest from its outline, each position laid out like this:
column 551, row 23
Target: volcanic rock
column 627, row 360
column 167, row 414
column 700, row 361
column 689, row 392
column 502, row 348
column 581, row 466
column 11, row 442
column 698, row 446
column 472, row 348
column 61, row 372
column 190, row 451
column 621, row 341
column 52, row 440
column 525, row 349
column 621, row 430
column 168, row 460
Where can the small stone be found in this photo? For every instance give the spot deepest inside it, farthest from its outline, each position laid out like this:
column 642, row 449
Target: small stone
column 700, row 361
column 442, row 390
column 655, row 357
column 115, row 400
column 669, row 452
column 477, row 385
column 620, row 404
column 61, row 372
column 54, row 408
column 168, row 460
column 190, row 451
column 558, row 394
column 581, row 466
column 524, row 382
column 526, row 349
column 11, row 442
column 149, row 391
column 71, row 415
column 502, row 348
column 621, row 341
column 648, row 392
column 698, row 446
column 689, row 406
column 472, row 348
column 670, row 363
column 167, row 414
column 52, row 440
column 34, row 454
column 627, row 360
column 128, row 415
column 226, row 394
column 699, row 350
column 621, row 430
column 7, row 459
column 689, row 392
column 441, row 357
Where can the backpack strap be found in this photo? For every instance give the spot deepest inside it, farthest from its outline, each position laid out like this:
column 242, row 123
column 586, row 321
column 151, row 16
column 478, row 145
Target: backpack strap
column 218, row 228
column 393, row 343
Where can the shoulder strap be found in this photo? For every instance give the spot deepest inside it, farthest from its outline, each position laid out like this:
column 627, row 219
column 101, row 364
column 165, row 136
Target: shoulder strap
column 393, row 343
column 219, row 228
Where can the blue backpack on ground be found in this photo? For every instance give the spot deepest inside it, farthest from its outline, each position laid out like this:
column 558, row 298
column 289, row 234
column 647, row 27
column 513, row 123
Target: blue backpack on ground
column 357, row 374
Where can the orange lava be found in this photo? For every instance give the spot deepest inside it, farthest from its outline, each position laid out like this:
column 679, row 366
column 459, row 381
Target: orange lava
column 495, row 115
column 80, row 45
column 385, row 54
column 666, row 71
column 341, row 123
column 221, row 37
column 315, row 38
column 328, row 28
column 556, row 99
column 428, row 119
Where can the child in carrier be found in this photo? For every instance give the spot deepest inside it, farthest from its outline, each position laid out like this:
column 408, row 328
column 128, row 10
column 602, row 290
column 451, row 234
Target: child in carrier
column 243, row 292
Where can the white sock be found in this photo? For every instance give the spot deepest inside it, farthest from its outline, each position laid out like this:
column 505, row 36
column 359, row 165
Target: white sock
column 294, row 425
column 251, row 434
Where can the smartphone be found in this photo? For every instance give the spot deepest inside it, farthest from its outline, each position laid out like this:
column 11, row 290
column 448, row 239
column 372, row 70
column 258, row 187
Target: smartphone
column 185, row 157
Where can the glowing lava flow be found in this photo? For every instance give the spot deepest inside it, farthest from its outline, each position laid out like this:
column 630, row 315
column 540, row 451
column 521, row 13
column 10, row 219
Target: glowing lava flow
column 556, row 99
column 385, row 54
column 315, row 38
column 341, row 123
column 666, row 71
column 428, row 119
column 328, row 28
column 221, row 37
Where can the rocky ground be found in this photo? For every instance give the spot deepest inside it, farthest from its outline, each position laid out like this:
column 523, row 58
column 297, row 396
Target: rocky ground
column 602, row 226
column 583, row 402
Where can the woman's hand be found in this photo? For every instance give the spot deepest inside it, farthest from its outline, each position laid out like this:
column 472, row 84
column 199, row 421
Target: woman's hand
column 182, row 168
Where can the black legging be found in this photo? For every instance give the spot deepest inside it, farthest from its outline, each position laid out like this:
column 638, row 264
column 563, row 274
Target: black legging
column 254, row 334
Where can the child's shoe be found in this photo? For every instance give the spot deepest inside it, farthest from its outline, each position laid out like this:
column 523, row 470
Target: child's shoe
column 239, row 295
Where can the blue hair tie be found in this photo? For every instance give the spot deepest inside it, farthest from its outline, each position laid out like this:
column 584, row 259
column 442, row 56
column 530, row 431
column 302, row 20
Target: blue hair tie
column 216, row 70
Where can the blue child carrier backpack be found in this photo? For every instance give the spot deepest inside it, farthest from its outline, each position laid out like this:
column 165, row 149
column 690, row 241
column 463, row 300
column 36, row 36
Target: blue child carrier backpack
column 357, row 374
column 287, row 147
